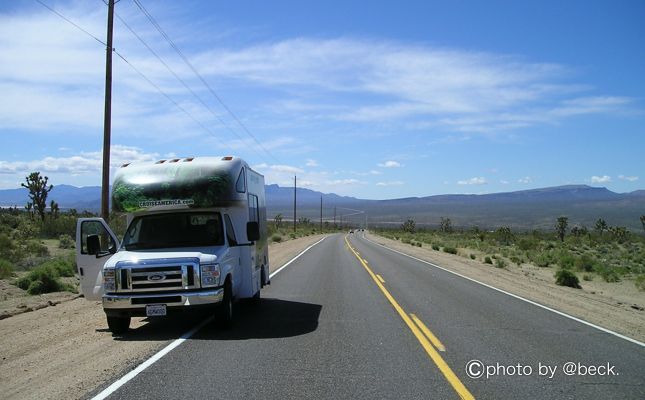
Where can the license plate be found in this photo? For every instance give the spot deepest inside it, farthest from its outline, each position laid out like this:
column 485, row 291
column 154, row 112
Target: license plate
column 156, row 310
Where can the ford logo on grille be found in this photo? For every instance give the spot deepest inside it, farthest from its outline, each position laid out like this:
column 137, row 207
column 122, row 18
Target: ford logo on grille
column 156, row 277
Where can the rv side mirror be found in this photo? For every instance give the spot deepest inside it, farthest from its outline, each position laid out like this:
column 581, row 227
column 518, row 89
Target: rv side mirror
column 93, row 245
column 252, row 231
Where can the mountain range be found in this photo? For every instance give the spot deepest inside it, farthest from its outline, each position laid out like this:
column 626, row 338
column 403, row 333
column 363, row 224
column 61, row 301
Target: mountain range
column 526, row 209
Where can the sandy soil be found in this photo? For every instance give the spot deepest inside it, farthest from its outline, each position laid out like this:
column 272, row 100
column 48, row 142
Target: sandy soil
column 616, row 306
column 63, row 349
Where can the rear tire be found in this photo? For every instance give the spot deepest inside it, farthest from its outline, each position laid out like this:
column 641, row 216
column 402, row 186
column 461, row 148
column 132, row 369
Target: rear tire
column 225, row 309
column 118, row 325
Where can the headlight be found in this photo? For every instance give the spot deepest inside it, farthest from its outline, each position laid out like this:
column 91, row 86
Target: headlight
column 210, row 275
column 109, row 283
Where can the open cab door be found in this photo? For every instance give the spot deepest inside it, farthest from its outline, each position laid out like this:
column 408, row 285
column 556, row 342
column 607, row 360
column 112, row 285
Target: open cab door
column 95, row 244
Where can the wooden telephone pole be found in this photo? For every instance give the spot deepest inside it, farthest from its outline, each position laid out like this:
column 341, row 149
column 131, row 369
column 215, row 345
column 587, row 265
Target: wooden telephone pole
column 294, row 203
column 107, row 122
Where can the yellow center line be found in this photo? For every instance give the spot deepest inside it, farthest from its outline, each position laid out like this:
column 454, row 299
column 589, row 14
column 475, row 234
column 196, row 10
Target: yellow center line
column 435, row 341
column 380, row 278
column 434, row 355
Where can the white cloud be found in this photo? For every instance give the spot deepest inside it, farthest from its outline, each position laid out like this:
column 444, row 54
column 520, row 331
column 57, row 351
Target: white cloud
column 343, row 182
column 473, row 181
column 368, row 173
column 84, row 163
column 311, row 163
column 601, row 179
column 390, row 183
column 504, row 182
column 390, row 164
column 628, row 178
column 526, row 179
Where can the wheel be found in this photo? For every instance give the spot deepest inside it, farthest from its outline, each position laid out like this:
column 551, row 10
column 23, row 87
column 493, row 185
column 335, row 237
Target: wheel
column 257, row 298
column 225, row 309
column 118, row 325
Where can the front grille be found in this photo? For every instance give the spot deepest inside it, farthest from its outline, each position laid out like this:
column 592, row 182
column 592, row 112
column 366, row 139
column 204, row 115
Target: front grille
column 156, row 300
column 157, row 275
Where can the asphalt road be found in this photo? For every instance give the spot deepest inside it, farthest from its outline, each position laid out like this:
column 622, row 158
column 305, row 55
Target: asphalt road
column 352, row 320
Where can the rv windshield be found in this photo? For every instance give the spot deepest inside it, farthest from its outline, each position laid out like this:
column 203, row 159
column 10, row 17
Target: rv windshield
column 174, row 230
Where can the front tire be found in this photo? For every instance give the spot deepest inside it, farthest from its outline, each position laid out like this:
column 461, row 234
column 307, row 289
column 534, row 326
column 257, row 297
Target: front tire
column 118, row 325
column 225, row 309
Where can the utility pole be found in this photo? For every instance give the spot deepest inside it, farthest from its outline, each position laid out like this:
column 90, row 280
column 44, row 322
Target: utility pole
column 107, row 122
column 334, row 217
column 295, row 187
column 320, row 213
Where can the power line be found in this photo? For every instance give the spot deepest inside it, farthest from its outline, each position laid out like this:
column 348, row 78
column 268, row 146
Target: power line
column 134, row 68
column 203, row 103
column 71, row 22
column 210, row 89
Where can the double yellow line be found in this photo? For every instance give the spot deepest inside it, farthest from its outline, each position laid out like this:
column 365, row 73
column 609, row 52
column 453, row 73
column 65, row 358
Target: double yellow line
column 420, row 331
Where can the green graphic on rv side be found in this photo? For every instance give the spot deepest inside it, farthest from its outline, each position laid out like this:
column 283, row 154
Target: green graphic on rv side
column 195, row 185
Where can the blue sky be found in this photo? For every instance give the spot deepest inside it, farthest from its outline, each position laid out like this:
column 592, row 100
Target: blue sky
column 368, row 99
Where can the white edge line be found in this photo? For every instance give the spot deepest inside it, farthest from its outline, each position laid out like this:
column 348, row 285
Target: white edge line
column 516, row 296
column 156, row 357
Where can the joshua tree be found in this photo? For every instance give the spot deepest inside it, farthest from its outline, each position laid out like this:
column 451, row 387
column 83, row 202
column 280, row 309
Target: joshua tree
column 445, row 225
column 277, row 220
column 643, row 221
column 601, row 226
column 561, row 227
column 38, row 191
column 54, row 209
column 409, row 226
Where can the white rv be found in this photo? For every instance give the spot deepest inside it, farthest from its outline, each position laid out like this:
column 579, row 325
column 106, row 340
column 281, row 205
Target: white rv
column 196, row 237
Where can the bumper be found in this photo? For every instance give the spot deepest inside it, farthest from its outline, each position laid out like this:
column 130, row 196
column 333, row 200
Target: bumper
column 135, row 304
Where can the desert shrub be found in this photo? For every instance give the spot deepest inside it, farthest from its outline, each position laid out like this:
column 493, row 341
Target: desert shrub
column 435, row 247
column 487, row 260
column 292, row 235
column 6, row 269
column 472, row 256
column 543, row 260
column 584, row 263
column 276, row 238
column 64, row 266
column 527, row 244
column 35, row 249
column 517, row 260
column 610, row 275
column 418, row 244
column 640, row 282
column 499, row 263
column 65, row 242
column 587, row 277
column 566, row 260
column 64, row 225
column 450, row 250
column 564, row 277
column 406, row 240
column 44, row 279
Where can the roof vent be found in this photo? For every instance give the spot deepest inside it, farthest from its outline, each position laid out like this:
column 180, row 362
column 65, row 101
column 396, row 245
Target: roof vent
column 160, row 162
column 125, row 165
column 227, row 158
column 189, row 159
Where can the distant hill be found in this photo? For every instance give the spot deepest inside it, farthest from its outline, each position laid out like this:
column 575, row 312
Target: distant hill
column 526, row 209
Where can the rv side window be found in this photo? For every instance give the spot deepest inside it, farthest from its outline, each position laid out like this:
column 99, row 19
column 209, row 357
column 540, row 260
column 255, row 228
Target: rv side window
column 240, row 185
column 254, row 215
column 230, row 233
